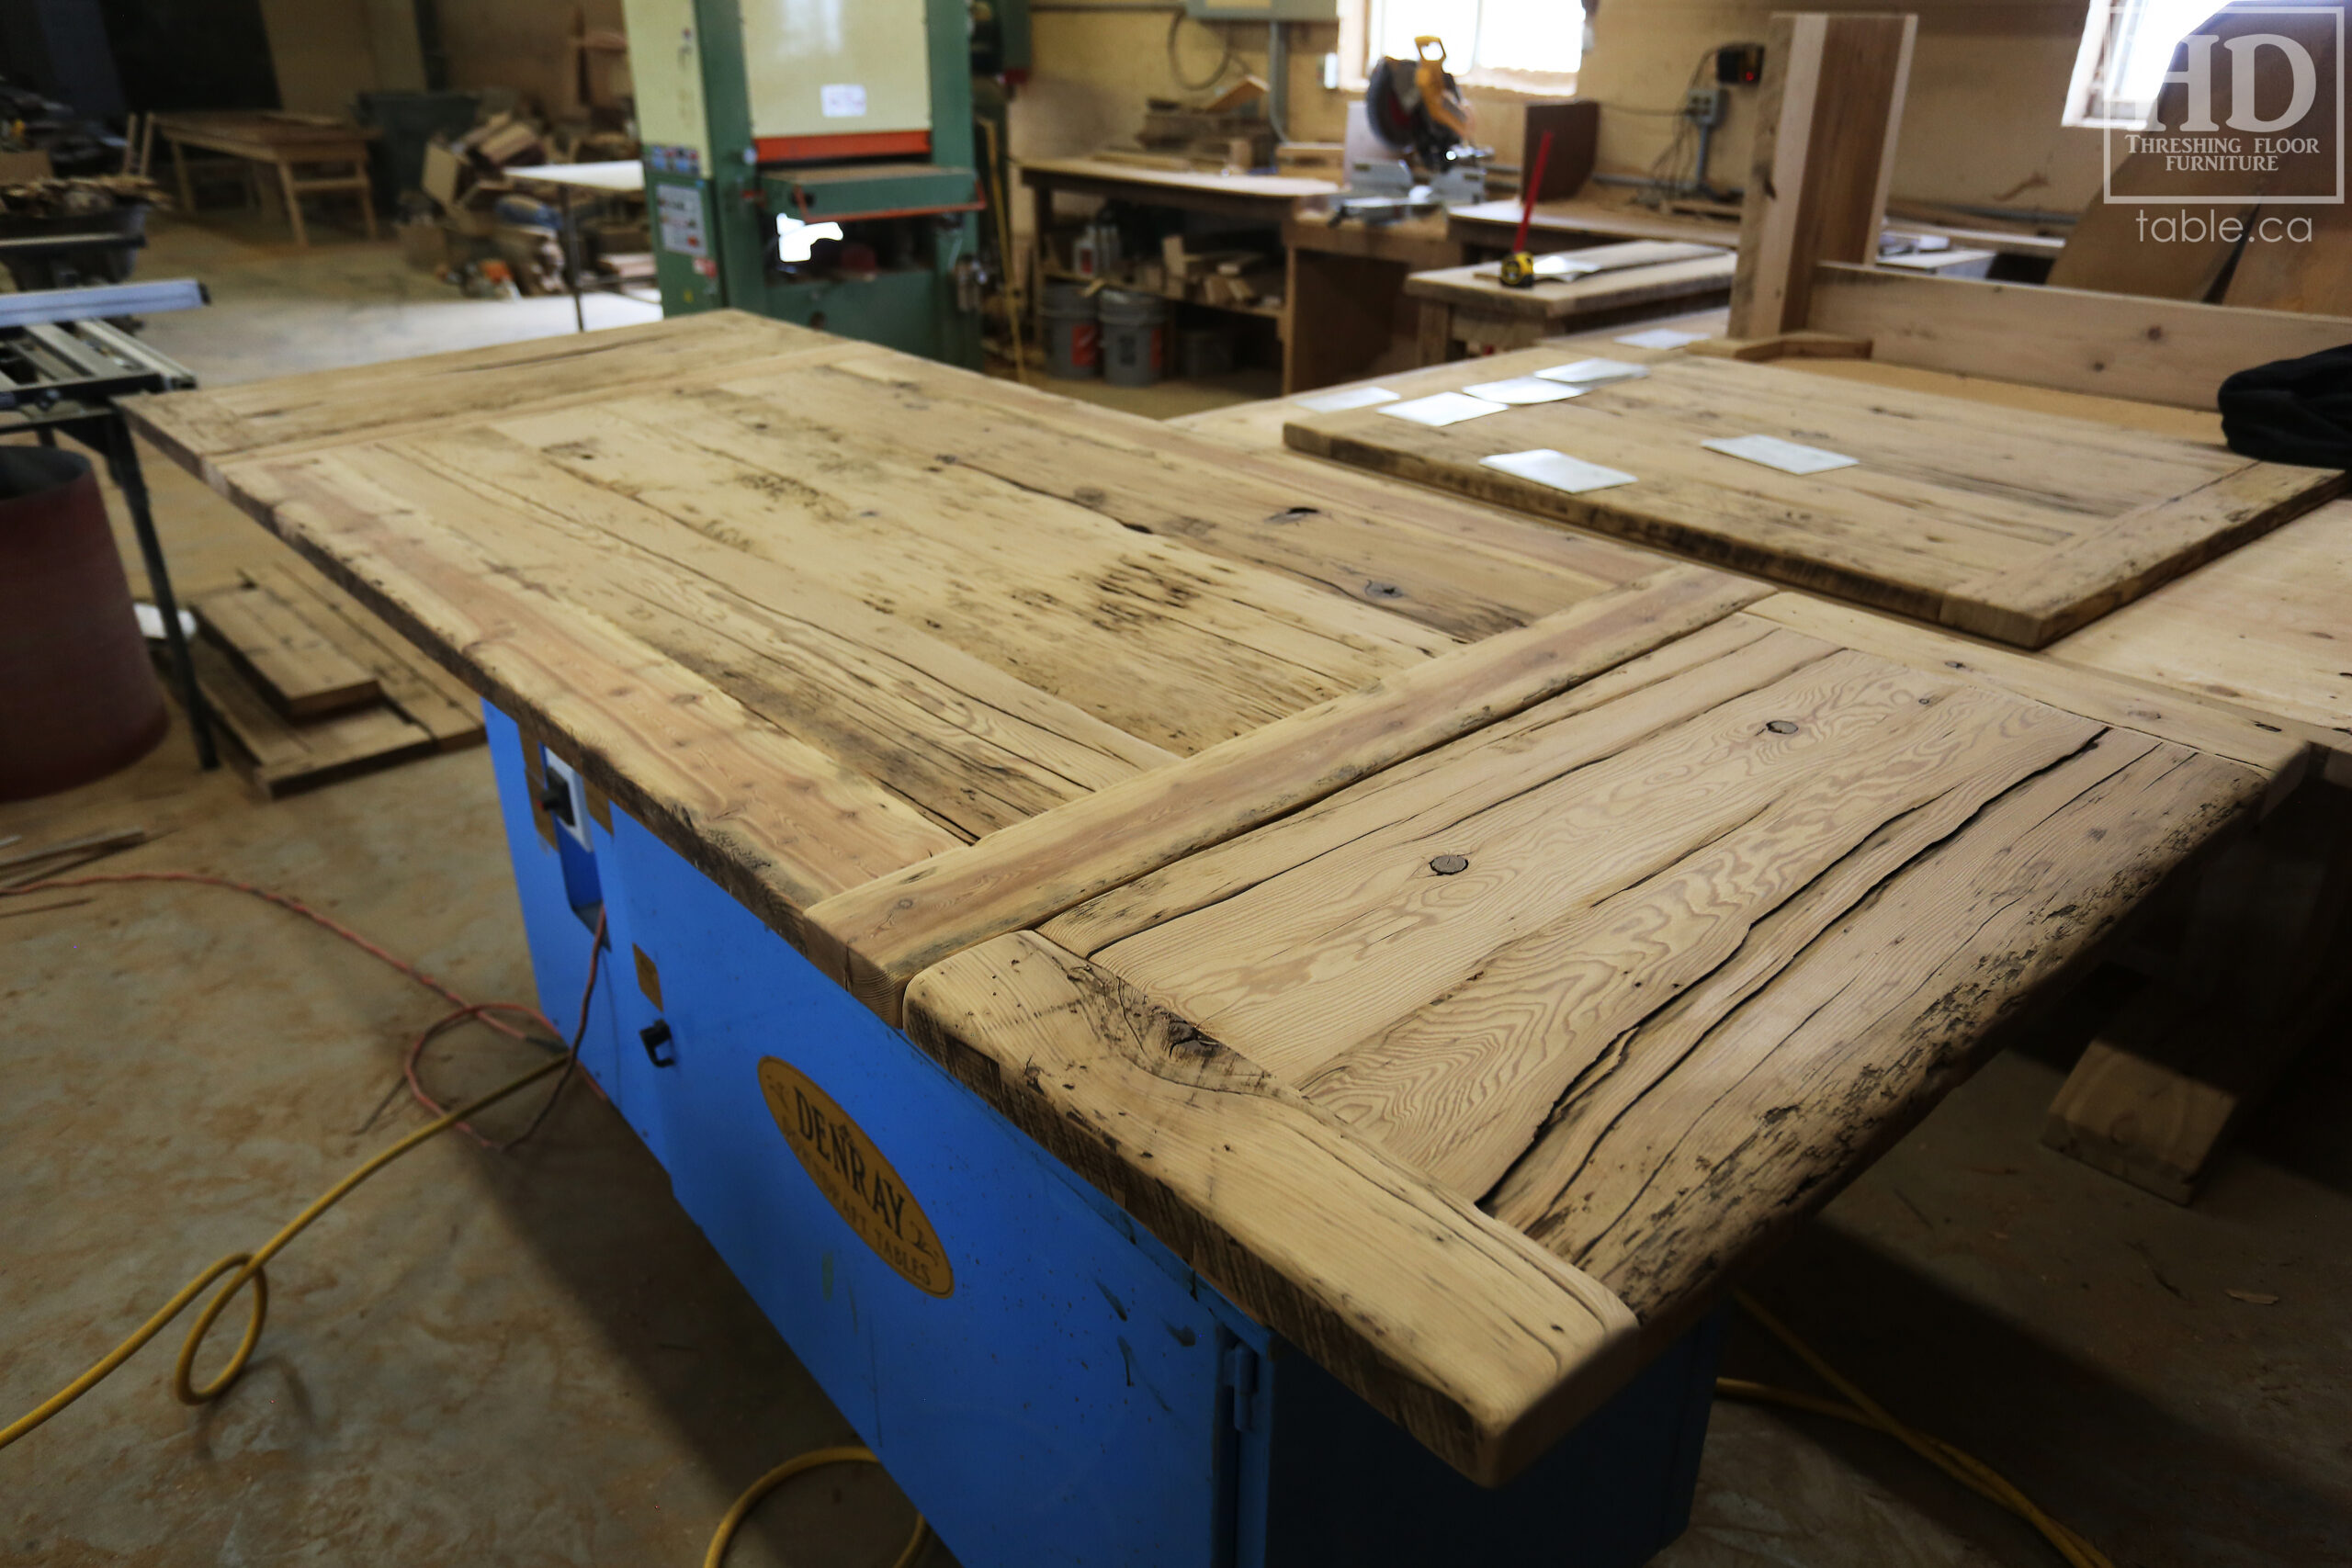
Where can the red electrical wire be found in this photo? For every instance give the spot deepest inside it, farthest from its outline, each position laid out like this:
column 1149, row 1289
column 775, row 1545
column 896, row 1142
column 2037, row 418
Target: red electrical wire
column 483, row 1013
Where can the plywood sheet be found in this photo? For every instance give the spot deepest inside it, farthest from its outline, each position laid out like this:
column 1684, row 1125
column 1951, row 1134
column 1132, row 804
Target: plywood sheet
column 2014, row 526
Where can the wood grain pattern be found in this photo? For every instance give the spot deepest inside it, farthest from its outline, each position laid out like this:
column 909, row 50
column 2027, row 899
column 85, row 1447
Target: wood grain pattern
column 287, row 660
column 1606, row 965
column 2263, row 628
column 1481, row 1345
column 2015, row 525
column 772, row 820
column 876, row 938
column 429, row 695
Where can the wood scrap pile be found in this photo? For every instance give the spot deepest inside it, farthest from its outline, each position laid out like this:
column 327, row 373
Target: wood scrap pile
column 1229, row 131
column 79, row 197
column 1218, row 277
column 310, row 688
column 467, row 177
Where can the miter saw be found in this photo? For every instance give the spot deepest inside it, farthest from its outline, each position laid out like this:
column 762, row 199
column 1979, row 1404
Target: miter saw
column 1408, row 143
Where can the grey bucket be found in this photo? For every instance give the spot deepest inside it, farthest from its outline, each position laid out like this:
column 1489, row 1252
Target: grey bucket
column 1073, row 340
column 1135, row 337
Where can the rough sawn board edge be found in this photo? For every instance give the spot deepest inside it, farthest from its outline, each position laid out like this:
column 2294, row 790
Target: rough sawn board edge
column 1473, row 1338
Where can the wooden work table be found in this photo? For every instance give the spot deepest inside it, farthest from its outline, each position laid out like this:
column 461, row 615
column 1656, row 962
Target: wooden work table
column 1469, row 306
column 1590, row 220
column 336, row 154
column 1464, row 942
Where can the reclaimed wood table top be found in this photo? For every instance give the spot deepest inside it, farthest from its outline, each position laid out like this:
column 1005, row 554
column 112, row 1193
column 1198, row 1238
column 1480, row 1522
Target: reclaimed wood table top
column 2260, row 632
column 1636, row 272
column 1463, row 942
column 267, row 137
column 2017, row 527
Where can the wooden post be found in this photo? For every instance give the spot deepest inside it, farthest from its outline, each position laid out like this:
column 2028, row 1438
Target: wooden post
column 1831, row 106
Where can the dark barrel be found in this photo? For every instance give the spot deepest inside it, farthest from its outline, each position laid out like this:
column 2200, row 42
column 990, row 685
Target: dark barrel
column 78, row 697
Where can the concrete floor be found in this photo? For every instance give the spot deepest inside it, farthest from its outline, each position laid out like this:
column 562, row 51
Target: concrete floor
column 535, row 1358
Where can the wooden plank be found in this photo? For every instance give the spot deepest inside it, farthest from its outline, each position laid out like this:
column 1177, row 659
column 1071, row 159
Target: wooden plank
column 2158, row 351
column 2262, row 629
column 1483, row 1346
column 280, row 757
column 1465, row 570
column 299, row 673
column 974, row 747
column 1827, row 115
column 874, row 939
column 1167, row 643
column 2007, row 522
column 196, row 427
column 1636, row 272
column 1708, row 1133
column 2160, row 1089
column 2269, row 748
column 2094, row 572
column 774, row 821
column 428, row 695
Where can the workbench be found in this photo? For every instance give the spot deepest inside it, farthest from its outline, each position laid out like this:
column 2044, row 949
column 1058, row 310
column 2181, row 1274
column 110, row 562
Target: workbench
column 1469, row 306
column 1147, row 956
column 284, row 144
column 1490, row 226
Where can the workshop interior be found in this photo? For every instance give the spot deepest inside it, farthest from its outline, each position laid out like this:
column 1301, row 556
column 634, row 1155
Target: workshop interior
column 1191, row 783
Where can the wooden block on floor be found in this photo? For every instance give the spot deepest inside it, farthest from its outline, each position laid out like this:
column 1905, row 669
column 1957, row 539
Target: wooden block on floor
column 2156, row 1096
column 283, row 758
column 427, row 694
column 282, row 656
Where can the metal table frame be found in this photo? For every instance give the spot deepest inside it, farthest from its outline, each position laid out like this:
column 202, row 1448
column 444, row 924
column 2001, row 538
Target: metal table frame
column 61, row 369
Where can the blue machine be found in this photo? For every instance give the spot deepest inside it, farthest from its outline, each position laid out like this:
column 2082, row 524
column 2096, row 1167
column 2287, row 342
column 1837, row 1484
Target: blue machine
column 1076, row 1395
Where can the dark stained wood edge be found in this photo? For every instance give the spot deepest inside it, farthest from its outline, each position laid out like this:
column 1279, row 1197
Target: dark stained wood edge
column 874, row 939
column 1481, row 1344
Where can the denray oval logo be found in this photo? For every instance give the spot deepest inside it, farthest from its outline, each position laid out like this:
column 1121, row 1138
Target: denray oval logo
column 854, row 1178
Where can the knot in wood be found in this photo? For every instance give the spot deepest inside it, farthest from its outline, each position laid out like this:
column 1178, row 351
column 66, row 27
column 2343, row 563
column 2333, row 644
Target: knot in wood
column 1448, row 866
column 1383, row 591
column 1782, row 725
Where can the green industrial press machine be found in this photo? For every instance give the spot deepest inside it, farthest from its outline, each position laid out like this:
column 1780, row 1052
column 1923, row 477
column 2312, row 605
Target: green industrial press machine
column 815, row 160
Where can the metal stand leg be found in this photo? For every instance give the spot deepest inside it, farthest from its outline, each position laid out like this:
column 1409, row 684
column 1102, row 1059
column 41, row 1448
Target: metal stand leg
column 571, row 263
column 122, row 462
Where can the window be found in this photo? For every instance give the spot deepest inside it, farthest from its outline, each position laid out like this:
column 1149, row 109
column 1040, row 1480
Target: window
column 2127, row 47
column 1531, row 45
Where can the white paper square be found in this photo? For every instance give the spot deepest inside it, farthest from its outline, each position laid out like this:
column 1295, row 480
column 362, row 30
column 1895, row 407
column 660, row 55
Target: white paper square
column 1353, row 397
column 1557, row 470
column 1593, row 372
column 1442, row 407
column 841, row 100
column 1522, row 389
column 1660, row 337
column 1786, row 456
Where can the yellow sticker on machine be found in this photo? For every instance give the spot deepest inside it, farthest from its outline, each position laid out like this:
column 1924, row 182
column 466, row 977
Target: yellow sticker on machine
column 854, row 1178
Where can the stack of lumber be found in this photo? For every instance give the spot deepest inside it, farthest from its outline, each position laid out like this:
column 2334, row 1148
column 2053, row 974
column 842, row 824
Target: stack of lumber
column 1217, row 277
column 1227, row 131
column 311, row 688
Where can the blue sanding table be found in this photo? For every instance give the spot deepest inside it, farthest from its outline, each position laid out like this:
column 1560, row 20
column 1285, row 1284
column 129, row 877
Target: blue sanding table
column 1231, row 1012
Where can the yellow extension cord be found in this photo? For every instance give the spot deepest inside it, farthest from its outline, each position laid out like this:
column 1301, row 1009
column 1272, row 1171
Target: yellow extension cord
column 246, row 1268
